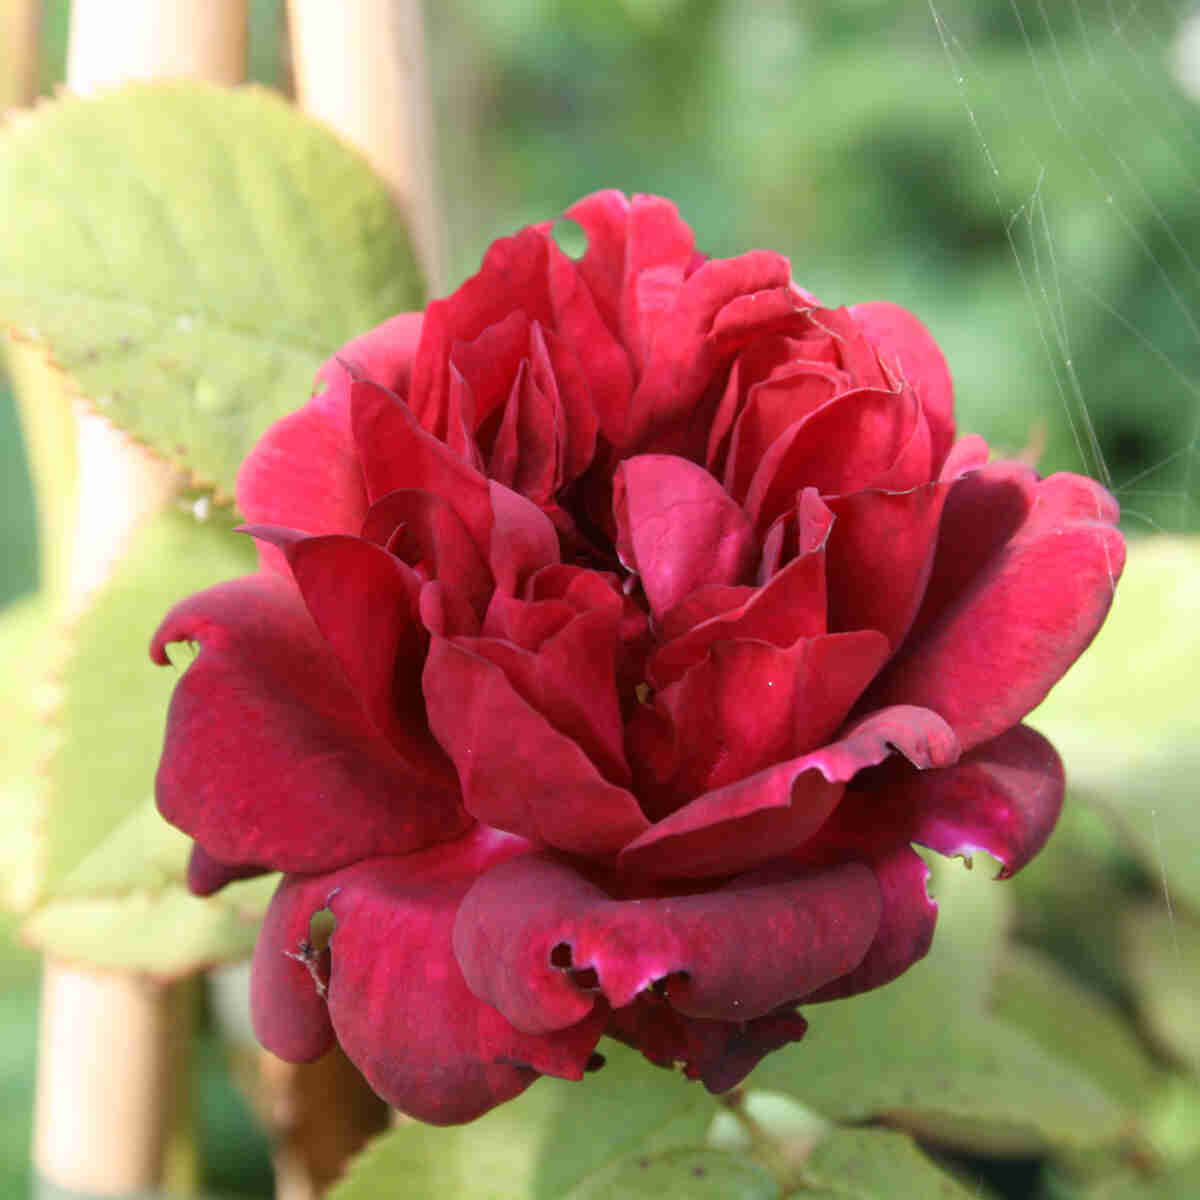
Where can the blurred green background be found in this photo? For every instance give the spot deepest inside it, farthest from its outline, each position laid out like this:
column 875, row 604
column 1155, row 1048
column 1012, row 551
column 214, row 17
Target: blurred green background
column 1026, row 179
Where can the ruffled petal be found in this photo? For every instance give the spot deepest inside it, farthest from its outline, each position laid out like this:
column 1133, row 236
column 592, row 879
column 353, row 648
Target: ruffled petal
column 907, row 920
column 522, row 539
column 269, row 757
column 774, row 812
column 516, row 770
column 384, row 354
column 990, row 655
column 542, row 944
column 678, row 528
column 396, row 997
column 908, row 349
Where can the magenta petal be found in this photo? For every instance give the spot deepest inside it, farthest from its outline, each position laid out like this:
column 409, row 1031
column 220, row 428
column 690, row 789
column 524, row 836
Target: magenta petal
column 678, row 528
column 905, row 930
column 907, row 348
column 516, row 770
column 1029, row 611
column 540, row 942
column 304, row 474
column 289, row 976
column 266, row 743
column 1003, row 797
column 384, row 354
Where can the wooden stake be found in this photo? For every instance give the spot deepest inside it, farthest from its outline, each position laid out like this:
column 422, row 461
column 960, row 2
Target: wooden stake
column 19, row 63
column 360, row 66
column 104, row 1070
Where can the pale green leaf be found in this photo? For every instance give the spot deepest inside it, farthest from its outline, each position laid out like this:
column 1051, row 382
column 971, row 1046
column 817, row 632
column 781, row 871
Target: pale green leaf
column 1163, row 952
column 679, row 1174
column 925, row 1054
column 1125, row 717
column 27, row 650
column 165, row 933
column 190, row 254
column 876, row 1164
column 1075, row 1024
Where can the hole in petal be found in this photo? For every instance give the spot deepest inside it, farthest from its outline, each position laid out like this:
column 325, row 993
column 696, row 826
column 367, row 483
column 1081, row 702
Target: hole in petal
column 560, row 957
column 320, row 930
column 585, row 979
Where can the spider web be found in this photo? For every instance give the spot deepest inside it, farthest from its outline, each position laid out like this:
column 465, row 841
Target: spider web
column 1105, row 170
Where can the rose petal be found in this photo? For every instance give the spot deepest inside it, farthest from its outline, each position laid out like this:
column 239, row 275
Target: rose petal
column 537, row 940
column 1003, row 797
column 718, row 1053
column 522, row 539
column 905, row 927
column 396, row 997
column 677, row 528
column 207, row 875
column 269, row 758
column 1030, row 610
column 516, row 770
column 304, row 474
column 396, row 454
column 908, row 348
column 880, row 553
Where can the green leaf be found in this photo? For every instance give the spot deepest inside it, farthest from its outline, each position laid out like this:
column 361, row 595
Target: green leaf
column 190, row 254
column 27, row 648
column 1125, row 718
column 876, row 1164
column 1163, row 952
column 679, row 1175
column 166, row 933
column 925, row 1053
column 1076, row 1025
column 110, row 883
column 556, row 1136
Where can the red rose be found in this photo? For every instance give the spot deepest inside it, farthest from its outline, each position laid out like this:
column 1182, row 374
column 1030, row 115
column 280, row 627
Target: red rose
column 620, row 624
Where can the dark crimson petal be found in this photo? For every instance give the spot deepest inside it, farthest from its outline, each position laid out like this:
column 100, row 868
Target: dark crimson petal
column 396, row 454
column 905, row 926
column 290, row 975
column 269, row 757
column 1027, row 614
column 755, row 819
column 206, row 875
column 678, row 529
column 514, row 276
column 401, row 1007
column 516, row 770
column 879, row 555
column 718, row 1053
column 528, row 451
column 541, row 943
column 773, row 405
column 489, row 363
column 423, row 529
column 908, row 349
column 1003, row 797
column 304, row 474
column 697, row 336
column 364, row 602
column 870, row 427
column 557, row 370
column 522, row 539
column 790, row 606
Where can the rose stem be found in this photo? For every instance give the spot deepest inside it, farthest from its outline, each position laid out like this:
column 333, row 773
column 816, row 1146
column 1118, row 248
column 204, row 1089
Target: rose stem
column 107, row 1070
column 361, row 67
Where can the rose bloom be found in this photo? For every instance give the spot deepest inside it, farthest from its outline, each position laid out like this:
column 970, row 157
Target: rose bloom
column 620, row 624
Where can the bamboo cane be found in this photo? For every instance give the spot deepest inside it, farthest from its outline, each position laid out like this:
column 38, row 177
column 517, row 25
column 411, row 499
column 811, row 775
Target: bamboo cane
column 361, row 67
column 105, row 1041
